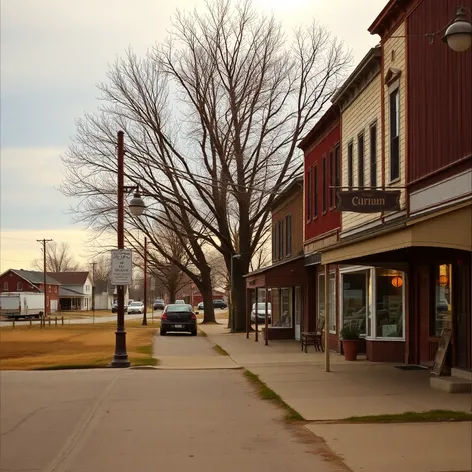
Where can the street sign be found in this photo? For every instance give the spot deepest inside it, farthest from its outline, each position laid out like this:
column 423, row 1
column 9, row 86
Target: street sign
column 368, row 201
column 121, row 267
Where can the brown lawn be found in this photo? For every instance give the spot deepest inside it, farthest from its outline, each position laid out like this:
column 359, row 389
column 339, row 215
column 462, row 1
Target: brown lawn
column 28, row 348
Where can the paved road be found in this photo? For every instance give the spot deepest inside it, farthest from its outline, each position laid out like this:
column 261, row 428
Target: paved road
column 143, row 420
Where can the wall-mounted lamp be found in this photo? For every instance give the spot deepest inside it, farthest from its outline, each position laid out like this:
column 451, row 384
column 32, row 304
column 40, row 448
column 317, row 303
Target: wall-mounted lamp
column 458, row 35
column 397, row 281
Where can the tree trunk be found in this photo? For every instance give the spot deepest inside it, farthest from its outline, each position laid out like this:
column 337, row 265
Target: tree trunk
column 206, row 289
column 239, row 297
column 171, row 296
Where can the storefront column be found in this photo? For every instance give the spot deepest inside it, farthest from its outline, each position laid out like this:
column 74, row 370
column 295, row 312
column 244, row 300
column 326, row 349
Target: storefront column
column 326, row 319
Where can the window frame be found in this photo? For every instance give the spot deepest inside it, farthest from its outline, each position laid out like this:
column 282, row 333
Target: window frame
column 361, row 160
column 350, row 164
column 315, row 191
column 19, row 286
column 394, row 134
column 5, row 286
column 274, row 241
column 337, row 170
column 288, row 235
column 324, row 185
column 281, row 239
column 373, row 154
column 308, row 196
column 332, row 179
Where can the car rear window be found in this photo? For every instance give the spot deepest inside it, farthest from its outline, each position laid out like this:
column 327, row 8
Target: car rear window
column 176, row 308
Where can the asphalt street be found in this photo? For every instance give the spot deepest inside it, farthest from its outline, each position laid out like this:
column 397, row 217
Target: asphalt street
column 143, row 420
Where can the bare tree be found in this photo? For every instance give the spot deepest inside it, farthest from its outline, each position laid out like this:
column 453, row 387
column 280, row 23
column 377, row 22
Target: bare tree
column 102, row 267
column 58, row 259
column 212, row 121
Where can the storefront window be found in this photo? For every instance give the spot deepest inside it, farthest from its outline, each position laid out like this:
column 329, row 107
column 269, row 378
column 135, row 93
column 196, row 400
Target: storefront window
column 321, row 297
column 389, row 286
column 332, row 300
column 275, row 306
column 356, row 303
column 442, row 306
column 286, row 312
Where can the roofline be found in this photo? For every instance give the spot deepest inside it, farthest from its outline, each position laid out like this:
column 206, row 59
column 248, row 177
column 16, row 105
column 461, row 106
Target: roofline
column 332, row 114
column 285, row 192
column 366, row 61
column 25, row 279
column 375, row 27
column 273, row 266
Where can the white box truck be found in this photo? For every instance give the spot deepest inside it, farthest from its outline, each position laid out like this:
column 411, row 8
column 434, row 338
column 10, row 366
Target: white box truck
column 17, row 305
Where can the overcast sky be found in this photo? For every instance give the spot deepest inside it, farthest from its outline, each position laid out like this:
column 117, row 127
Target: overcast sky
column 53, row 53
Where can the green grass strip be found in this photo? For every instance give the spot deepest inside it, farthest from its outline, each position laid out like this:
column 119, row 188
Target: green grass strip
column 266, row 393
column 220, row 350
column 413, row 417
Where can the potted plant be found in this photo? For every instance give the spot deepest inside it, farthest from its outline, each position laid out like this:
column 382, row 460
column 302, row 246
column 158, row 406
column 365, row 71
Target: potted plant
column 350, row 337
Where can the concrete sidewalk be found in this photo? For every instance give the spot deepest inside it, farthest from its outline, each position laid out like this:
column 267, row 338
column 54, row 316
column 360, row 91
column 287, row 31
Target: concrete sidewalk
column 357, row 389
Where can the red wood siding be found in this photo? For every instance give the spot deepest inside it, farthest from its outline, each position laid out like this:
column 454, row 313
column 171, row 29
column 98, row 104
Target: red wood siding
column 439, row 93
column 9, row 281
column 332, row 218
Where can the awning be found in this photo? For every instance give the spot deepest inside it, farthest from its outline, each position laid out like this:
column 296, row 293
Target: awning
column 452, row 229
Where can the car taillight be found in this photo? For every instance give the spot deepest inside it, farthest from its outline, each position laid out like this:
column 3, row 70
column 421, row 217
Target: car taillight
column 164, row 317
column 194, row 317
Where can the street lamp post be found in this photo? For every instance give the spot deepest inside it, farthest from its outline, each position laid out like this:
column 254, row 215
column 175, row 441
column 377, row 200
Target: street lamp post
column 136, row 206
column 233, row 324
column 145, row 283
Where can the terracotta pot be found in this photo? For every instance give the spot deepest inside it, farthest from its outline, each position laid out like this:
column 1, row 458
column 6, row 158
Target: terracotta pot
column 350, row 349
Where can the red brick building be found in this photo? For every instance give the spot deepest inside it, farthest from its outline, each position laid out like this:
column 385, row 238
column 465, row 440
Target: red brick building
column 282, row 284
column 19, row 280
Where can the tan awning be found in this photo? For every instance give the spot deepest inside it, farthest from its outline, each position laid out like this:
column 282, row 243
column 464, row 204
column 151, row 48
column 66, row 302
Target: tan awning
column 449, row 230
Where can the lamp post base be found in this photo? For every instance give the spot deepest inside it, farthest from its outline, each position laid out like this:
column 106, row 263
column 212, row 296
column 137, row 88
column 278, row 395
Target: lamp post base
column 120, row 358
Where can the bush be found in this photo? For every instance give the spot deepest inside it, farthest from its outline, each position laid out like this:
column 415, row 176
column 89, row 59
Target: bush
column 349, row 333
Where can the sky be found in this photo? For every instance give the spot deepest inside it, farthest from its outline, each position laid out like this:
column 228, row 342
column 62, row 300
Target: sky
column 53, row 53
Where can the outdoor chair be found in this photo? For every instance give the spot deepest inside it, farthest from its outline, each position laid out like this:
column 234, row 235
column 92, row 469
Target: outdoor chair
column 313, row 338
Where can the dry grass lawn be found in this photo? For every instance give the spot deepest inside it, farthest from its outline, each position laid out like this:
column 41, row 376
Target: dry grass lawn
column 29, row 348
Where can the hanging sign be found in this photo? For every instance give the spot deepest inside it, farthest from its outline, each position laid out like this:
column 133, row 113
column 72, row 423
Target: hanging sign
column 121, row 267
column 368, row 201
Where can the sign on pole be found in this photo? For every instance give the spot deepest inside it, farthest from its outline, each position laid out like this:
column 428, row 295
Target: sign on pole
column 368, row 201
column 121, row 267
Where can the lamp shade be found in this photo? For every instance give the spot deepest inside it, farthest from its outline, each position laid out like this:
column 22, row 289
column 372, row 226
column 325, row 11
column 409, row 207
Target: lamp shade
column 443, row 280
column 397, row 281
column 458, row 35
column 137, row 205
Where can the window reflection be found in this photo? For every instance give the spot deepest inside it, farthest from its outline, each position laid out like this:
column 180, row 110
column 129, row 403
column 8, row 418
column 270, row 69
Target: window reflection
column 443, row 312
column 389, row 303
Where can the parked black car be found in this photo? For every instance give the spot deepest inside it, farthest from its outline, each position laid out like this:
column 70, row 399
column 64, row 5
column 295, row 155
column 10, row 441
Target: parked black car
column 158, row 304
column 178, row 317
column 216, row 304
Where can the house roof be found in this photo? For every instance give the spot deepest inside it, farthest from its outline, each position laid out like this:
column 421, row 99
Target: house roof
column 70, row 278
column 391, row 10
column 33, row 276
column 329, row 117
column 67, row 292
column 371, row 61
column 293, row 185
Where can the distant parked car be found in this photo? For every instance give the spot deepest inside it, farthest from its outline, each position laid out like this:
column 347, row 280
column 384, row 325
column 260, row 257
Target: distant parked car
column 158, row 304
column 261, row 307
column 114, row 307
column 135, row 307
column 216, row 304
column 178, row 317
column 179, row 302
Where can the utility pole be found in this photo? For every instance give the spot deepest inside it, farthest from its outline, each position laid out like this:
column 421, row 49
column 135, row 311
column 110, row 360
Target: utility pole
column 145, row 283
column 93, row 264
column 45, row 285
